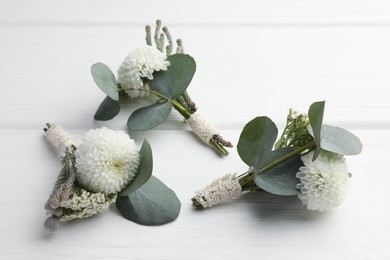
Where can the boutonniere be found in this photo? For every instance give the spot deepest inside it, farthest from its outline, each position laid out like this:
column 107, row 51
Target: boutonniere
column 107, row 168
column 155, row 70
column 307, row 161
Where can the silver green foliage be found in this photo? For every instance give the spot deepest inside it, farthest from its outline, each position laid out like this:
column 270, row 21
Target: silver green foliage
column 174, row 81
column 316, row 114
column 144, row 170
column 339, row 140
column 281, row 179
column 107, row 110
column 148, row 117
column 152, row 204
column 105, row 80
column 256, row 141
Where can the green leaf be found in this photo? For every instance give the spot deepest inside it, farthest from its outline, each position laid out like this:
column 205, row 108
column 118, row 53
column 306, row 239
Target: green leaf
column 152, row 204
column 281, row 179
column 174, row 81
column 316, row 114
column 105, row 80
column 144, row 171
column 148, row 117
column 107, row 110
column 339, row 140
column 256, row 141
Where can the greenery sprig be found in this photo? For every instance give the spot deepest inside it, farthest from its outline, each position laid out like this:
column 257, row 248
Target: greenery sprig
column 166, row 79
column 307, row 160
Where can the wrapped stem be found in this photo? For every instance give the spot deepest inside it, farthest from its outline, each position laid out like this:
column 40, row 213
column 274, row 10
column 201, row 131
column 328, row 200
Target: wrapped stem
column 204, row 130
column 219, row 191
column 201, row 127
column 59, row 138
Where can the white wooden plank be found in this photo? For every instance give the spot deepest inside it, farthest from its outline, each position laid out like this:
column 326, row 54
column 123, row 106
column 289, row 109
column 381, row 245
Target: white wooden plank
column 201, row 12
column 258, row 224
column 241, row 73
column 254, row 58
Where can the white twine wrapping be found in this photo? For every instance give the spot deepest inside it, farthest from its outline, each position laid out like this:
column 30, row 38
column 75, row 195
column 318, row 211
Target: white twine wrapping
column 59, row 138
column 201, row 127
column 219, row 191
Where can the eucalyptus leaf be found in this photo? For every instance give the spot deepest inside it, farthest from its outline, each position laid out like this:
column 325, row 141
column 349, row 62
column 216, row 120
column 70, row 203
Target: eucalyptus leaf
column 256, row 141
column 148, row 117
column 145, row 170
column 174, row 81
column 339, row 140
column 152, row 204
column 105, row 80
column 107, row 110
column 316, row 114
column 280, row 179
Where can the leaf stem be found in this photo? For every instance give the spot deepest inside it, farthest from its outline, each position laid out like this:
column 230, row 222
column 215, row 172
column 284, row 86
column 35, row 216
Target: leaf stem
column 250, row 177
column 182, row 110
column 148, row 91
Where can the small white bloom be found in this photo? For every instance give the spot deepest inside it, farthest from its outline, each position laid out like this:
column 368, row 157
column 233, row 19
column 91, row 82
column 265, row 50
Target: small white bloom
column 294, row 113
column 106, row 160
column 300, row 118
column 84, row 204
column 139, row 64
column 324, row 182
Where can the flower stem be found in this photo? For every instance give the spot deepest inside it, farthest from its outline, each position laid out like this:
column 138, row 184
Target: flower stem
column 251, row 175
column 148, row 91
column 186, row 113
column 219, row 148
column 182, row 110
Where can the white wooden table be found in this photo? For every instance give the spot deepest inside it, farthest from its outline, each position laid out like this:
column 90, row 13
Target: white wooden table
column 257, row 57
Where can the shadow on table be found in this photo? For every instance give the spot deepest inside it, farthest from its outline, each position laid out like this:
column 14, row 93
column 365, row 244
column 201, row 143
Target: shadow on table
column 267, row 206
column 73, row 227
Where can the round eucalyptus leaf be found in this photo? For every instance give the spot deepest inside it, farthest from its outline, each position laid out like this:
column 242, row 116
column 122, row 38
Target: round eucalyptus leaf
column 152, row 204
column 105, row 80
column 148, row 117
column 256, row 141
column 174, row 81
column 339, row 140
column 107, row 110
column 281, row 179
column 316, row 115
column 145, row 170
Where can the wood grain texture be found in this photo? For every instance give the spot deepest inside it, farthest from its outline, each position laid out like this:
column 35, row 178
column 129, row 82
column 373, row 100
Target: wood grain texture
column 346, row 66
column 254, row 58
column 277, row 226
column 206, row 13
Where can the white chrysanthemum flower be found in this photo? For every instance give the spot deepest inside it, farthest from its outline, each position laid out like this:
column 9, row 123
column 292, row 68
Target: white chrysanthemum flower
column 324, row 182
column 139, row 64
column 106, row 161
